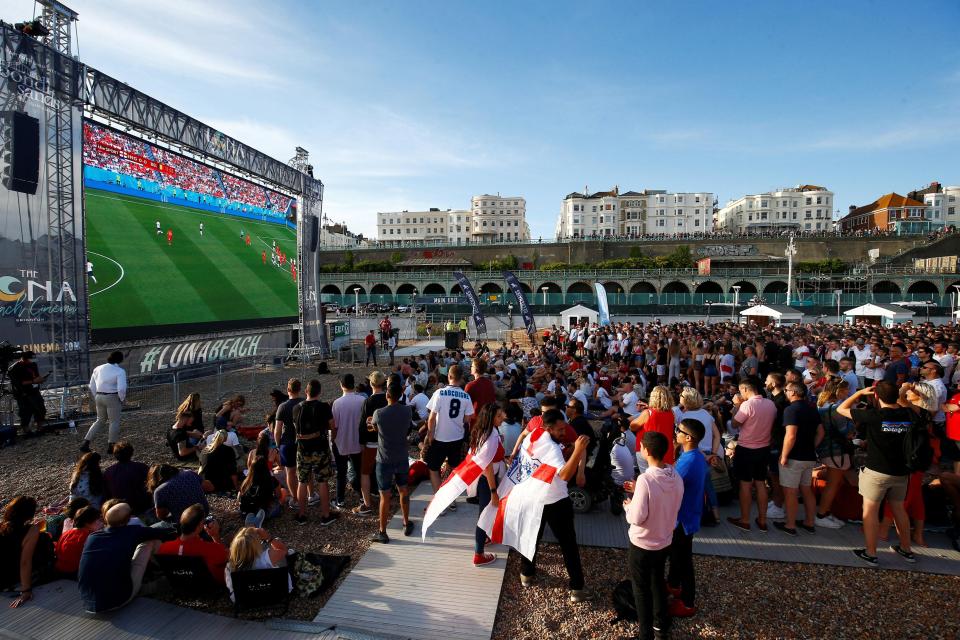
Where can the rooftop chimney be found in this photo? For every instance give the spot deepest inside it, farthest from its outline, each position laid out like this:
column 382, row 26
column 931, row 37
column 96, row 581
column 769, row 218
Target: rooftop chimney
column 851, row 207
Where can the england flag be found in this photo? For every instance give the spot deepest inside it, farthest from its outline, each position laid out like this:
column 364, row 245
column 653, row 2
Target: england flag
column 531, row 482
column 464, row 477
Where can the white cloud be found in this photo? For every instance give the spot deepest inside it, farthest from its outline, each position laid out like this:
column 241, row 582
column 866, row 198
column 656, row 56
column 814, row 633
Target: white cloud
column 196, row 39
column 876, row 140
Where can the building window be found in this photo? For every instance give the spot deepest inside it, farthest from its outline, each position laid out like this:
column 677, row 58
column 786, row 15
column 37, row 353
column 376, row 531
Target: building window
column 819, row 200
column 809, row 201
column 763, row 204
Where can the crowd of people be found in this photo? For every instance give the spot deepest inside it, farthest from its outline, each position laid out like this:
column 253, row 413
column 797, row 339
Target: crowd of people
column 853, row 423
column 168, row 172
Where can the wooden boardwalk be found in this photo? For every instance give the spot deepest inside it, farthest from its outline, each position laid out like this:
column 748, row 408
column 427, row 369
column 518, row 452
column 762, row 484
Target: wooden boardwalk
column 828, row 546
column 423, row 590
column 57, row 612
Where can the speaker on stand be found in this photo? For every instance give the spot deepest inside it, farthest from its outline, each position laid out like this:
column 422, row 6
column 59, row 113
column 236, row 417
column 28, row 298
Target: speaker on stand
column 21, row 151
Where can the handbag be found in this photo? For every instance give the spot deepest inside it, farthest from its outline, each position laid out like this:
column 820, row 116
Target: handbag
column 720, row 476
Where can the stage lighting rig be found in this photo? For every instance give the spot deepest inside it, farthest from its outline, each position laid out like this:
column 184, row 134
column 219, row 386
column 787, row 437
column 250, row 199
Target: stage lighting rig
column 33, row 28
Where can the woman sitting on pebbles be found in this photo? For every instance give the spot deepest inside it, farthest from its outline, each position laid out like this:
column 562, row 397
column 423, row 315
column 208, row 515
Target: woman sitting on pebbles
column 87, row 479
column 254, row 548
column 26, row 553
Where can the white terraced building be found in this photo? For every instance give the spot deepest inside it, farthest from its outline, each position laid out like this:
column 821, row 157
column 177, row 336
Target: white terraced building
column 490, row 219
column 944, row 206
column 634, row 213
column 802, row 208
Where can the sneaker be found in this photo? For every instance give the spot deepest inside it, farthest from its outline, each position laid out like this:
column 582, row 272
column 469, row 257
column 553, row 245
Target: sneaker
column 679, row 610
column 483, row 559
column 866, row 557
column 906, row 555
column 362, row 510
column 743, row 526
column 293, row 504
column 787, row 530
column 827, row 522
column 812, row 529
column 381, row 537
column 328, row 520
column 408, row 528
column 837, row 521
column 526, row 581
column 774, row 512
column 314, row 499
column 337, row 504
column 761, row 527
column 577, row 595
column 299, row 519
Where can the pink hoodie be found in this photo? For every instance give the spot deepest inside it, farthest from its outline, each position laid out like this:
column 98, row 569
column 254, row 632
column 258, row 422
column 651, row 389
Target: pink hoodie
column 652, row 513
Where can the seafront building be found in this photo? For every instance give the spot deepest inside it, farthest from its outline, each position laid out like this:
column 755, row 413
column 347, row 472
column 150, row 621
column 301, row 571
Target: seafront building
column 801, row 208
column 490, row 218
column 634, row 213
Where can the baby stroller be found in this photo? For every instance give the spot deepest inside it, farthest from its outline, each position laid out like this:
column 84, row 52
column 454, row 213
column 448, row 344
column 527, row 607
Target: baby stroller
column 599, row 485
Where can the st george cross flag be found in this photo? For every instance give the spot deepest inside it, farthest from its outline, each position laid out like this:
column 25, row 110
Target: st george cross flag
column 463, row 477
column 531, row 482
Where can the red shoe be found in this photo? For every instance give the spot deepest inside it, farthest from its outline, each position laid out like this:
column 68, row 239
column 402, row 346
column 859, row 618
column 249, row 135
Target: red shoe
column 482, row 559
column 674, row 591
column 680, row 610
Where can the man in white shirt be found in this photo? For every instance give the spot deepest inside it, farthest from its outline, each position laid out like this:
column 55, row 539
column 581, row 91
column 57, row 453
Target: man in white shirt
column 932, row 374
column 108, row 386
column 800, row 353
column 630, row 399
column 449, row 409
column 861, row 353
column 941, row 355
column 834, row 352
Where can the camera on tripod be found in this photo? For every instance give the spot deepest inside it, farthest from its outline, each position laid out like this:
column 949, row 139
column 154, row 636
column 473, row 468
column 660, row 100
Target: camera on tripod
column 8, row 353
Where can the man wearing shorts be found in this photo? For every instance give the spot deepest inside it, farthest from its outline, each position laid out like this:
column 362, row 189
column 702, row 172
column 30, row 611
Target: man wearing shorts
column 754, row 419
column 285, row 436
column 313, row 421
column 368, row 440
column 392, row 423
column 885, row 475
column 449, row 407
column 803, row 431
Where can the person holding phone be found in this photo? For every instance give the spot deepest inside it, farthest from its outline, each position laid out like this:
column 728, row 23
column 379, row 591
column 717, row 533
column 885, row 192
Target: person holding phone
column 25, row 381
column 190, row 542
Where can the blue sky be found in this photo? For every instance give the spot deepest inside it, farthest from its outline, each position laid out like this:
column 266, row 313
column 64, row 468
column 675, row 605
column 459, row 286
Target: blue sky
column 409, row 105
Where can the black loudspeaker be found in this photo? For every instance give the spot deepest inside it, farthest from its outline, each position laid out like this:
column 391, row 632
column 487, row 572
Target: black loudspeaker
column 21, row 152
column 453, row 340
column 314, row 233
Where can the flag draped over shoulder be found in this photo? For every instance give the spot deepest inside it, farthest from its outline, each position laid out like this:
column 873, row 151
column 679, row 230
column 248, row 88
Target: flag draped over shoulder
column 464, row 477
column 531, row 482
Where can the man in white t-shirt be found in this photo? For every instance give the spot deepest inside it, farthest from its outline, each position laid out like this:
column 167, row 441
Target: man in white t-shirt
column 800, row 353
column 630, row 399
column 941, row 355
column 450, row 408
column 834, row 352
column 861, row 352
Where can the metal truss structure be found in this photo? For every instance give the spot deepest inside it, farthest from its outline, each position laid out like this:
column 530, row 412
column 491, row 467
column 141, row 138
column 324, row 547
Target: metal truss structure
column 65, row 249
column 73, row 89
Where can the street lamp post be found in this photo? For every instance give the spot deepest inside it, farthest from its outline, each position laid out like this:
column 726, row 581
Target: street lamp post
column 736, row 299
column 838, row 293
column 356, row 300
column 791, row 251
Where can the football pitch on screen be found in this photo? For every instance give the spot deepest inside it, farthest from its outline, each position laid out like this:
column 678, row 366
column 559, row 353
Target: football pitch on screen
column 143, row 279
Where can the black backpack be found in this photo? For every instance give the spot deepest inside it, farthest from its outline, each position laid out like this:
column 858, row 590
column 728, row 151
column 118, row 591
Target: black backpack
column 917, row 450
column 623, row 602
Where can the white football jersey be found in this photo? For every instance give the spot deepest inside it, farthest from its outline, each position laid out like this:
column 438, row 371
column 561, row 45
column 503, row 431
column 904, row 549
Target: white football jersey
column 451, row 405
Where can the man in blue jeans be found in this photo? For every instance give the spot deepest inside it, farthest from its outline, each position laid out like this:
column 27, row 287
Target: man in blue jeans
column 692, row 467
column 392, row 423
